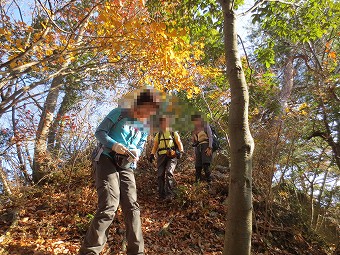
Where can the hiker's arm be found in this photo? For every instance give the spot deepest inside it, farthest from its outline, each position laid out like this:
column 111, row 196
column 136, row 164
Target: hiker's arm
column 209, row 133
column 178, row 142
column 102, row 133
column 155, row 145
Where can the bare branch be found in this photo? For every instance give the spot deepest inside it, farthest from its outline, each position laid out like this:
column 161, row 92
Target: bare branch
column 259, row 2
column 19, row 10
column 27, row 50
column 318, row 133
column 245, row 53
column 36, row 101
column 315, row 56
column 256, row 4
column 50, row 17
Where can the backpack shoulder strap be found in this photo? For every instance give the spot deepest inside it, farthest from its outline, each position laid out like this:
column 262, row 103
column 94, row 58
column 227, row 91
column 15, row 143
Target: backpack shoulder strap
column 206, row 128
column 174, row 140
column 101, row 149
column 120, row 117
column 172, row 134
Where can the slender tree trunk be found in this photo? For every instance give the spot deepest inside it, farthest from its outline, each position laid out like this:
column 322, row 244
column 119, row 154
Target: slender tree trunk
column 288, row 82
column 28, row 155
column 55, row 133
column 3, row 179
column 55, row 130
column 278, row 123
column 40, row 158
column 239, row 216
column 311, row 201
column 22, row 162
column 319, row 198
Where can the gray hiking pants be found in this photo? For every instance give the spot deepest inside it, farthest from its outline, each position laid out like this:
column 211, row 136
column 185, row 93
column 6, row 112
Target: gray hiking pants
column 165, row 174
column 114, row 188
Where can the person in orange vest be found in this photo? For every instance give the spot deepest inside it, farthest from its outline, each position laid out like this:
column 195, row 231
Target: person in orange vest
column 169, row 148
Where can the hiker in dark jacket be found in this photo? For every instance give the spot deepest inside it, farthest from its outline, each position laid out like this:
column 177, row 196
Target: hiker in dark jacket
column 203, row 142
column 120, row 134
column 168, row 147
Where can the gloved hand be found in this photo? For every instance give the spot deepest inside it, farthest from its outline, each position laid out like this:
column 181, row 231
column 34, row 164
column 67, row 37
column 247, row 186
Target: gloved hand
column 152, row 158
column 179, row 154
column 208, row 151
column 119, row 148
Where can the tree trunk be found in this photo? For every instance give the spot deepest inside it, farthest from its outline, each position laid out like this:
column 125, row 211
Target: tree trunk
column 40, row 151
column 239, row 217
column 278, row 122
column 46, row 120
column 311, row 202
column 22, row 166
column 56, row 132
column 3, row 179
column 288, row 82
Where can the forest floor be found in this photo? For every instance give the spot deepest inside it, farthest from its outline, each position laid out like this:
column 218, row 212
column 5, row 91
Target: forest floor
column 52, row 219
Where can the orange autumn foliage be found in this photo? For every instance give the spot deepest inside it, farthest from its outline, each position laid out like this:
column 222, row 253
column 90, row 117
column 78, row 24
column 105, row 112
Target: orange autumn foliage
column 120, row 33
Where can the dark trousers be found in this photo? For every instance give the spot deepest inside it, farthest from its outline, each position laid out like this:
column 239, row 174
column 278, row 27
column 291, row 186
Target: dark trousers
column 207, row 172
column 114, row 188
column 165, row 174
column 202, row 161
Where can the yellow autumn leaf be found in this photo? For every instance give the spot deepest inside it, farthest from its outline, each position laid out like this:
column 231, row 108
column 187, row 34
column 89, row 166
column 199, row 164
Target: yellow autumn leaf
column 49, row 52
column 303, row 106
column 18, row 43
column 256, row 111
column 197, row 90
column 116, row 58
column 61, row 60
column 13, row 64
column 303, row 112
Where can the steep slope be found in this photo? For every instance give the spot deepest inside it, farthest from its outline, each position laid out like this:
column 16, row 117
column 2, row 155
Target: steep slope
column 52, row 219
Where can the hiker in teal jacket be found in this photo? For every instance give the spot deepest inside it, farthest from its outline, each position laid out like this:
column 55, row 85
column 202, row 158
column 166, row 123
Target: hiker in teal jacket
column 128, row 135
column 121, row 132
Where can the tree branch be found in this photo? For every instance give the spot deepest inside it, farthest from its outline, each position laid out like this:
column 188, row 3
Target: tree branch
column 27, row 50
column 51, row 17
column 318, row 133
column 245, row 53
column 259, row 2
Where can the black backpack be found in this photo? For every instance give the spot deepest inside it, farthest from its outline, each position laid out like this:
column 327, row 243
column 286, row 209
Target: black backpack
column 216, row 142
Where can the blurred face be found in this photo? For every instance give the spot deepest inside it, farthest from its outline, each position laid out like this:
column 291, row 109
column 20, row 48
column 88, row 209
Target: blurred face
column 163, row 124
column 144, row 111
column 197, row 123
